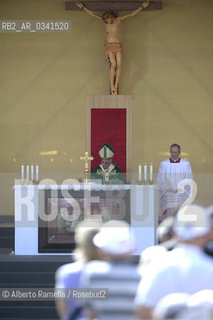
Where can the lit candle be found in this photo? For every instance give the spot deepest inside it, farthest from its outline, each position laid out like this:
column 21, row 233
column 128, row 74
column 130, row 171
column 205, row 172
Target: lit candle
column 37, row 172
column 151, row 172
column 22, row 172
column 139, row 172
column 145, row 172
column 32, row 172
column 27, row 172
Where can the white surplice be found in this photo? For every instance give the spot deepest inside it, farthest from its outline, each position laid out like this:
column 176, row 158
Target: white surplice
column 169, row 178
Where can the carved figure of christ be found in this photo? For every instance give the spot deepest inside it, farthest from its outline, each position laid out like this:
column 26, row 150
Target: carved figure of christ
column 113, row 47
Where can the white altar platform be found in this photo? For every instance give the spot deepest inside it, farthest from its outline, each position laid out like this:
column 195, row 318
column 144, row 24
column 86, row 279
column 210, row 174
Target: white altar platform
column 143, row 212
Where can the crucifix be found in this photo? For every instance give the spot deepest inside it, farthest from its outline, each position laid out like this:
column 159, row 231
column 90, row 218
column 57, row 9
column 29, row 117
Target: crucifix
column 114, row 5
column 86, row 158
column 113, row 47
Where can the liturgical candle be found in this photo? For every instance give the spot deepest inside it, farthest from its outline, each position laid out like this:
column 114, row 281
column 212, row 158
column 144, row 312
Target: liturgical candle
column 32, row 172
column 37, row 172
column 139, row 172
column 145, row 172
column 22, row 172
column 27, row 172
column 151, row 172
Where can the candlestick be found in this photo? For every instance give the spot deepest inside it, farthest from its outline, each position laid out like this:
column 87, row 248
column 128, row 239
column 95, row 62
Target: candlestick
column 22, row 172
column 27, row 172
column 140, row 172
column 151, row 173
column 32, row 172
column 37, row 172
column 145, row 172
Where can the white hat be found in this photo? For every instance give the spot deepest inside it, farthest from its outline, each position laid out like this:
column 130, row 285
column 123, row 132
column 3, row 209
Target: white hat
column 115, row 237
column 192, row 221
column 203, row 297
column 199, row 306
column 106, row 152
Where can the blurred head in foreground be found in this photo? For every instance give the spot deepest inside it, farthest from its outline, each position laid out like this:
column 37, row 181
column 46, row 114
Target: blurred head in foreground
column 115, row 240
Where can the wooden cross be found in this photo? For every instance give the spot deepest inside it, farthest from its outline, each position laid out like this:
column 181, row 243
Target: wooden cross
column 113, row 47
column 114, row 5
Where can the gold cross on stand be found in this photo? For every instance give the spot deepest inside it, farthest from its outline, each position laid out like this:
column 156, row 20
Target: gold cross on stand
column 86, row 158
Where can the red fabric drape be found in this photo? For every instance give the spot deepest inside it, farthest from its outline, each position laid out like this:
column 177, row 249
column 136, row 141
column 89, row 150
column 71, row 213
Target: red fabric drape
column 109, row 125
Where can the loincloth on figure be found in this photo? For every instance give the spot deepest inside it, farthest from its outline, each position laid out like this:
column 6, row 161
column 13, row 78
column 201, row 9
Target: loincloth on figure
column 115, row 48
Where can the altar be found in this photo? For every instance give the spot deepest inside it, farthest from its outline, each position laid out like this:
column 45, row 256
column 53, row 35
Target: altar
column 46, row 215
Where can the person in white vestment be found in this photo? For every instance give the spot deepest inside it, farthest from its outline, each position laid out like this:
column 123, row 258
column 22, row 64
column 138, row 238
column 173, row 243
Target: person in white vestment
column 173, row 174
